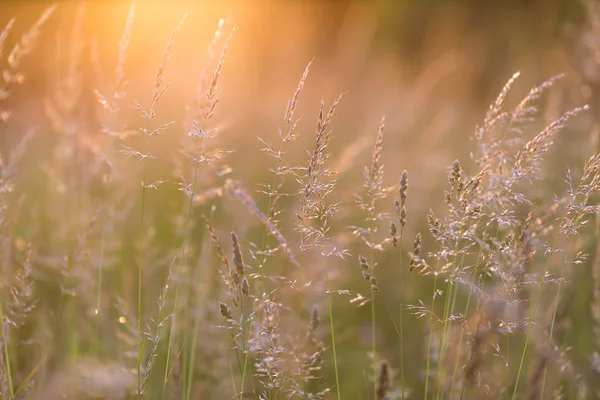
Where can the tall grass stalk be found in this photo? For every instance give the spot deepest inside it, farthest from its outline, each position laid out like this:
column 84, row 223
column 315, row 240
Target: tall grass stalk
column 180, row 265
column 462, row 332
column 430, row 339
column 101, row 263
column 6, row 351
column 198, row 307
column 245, row 366
column 259, row 289
column 556, row 301
column 401, row 333
column 113, row 107
column 506, row 391
column 105, row 211
column 232, row 378
column 451, row 294
column 140, row 276
column 374, row 348
column 373, row 327
column 532, row 318
column 332, row 331
column 466, row 311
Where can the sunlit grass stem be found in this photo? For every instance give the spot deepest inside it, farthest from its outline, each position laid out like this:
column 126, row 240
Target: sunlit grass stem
column 180, row 266
column 532, row 318
column 429, row 341
column 7, row 362
column 140, row 276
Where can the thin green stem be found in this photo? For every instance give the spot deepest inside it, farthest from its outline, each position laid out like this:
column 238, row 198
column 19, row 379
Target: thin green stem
column 430, row 337
column 73, row 336
column 462, row 331
column 562, row 274
column 401, row 333
column 247, row 338
column 532, row 318
column 401, row 352
column 441, row 344
column 140, row 276
column 508, row 365
column 198, row 308
column 101, row 264
column 232, row 378
column 182, row 260
column 374, row 349
column 102, row 248
column 6, row 355
column 450, row 302
column 373, row 330
column 335, row 364
column 259, row 286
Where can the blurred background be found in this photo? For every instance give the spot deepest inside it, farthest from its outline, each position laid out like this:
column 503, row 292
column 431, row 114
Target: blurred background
column 431, row 67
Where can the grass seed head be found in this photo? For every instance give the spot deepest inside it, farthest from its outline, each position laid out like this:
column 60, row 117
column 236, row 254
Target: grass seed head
column 245, row 286
column 225, row 310
column 237, row 255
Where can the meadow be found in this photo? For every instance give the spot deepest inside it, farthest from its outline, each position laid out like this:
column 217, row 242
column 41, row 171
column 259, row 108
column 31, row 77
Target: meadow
column 300, row 200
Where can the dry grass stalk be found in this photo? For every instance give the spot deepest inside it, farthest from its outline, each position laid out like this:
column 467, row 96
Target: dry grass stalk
column 241, row 194
column 368, row 273
column 317, row 185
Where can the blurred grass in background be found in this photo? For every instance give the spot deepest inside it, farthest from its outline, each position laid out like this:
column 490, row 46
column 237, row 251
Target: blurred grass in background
column 430, row 67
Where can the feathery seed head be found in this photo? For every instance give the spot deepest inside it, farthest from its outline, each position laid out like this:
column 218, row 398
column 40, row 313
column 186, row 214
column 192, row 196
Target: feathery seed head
column 393, row 232
column 373, row 281
column 363, row 263
column 417, row 244
column 455, row 177
column 403, row 216
column 415, row 259
column 237, row 255
column 403, row 186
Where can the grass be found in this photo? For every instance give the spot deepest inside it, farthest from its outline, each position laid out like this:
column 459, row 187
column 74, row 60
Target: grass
column 213, row 278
